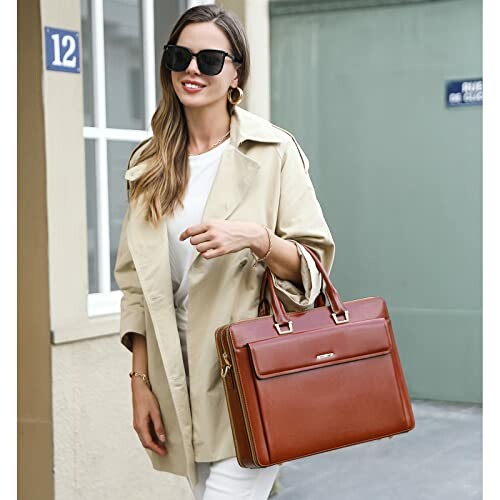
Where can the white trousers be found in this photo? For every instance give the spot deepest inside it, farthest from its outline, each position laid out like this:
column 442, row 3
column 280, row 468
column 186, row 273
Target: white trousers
column 227, row 480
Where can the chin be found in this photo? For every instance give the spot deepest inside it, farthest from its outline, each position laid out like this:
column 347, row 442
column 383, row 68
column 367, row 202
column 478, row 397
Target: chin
column 190, row 103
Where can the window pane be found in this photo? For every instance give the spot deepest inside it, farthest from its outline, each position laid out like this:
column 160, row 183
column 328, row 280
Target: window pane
column 118, row 156
column 91, row 185
column 124, row 64
column 88, row 70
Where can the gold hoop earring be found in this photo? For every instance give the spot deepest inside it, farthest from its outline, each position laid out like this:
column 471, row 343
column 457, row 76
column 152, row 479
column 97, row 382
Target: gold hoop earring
column 230, row 95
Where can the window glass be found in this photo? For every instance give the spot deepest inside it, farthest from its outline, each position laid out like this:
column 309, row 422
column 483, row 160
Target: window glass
column 92, row 233
column 124, row 64
column 88, row 70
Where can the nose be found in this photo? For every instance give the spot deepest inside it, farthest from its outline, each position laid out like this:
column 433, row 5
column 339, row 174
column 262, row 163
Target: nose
column 193, row 66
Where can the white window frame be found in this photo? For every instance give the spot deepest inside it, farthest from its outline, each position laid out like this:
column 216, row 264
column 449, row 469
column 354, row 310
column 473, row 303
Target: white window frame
column 107, row 302
column 193, row 3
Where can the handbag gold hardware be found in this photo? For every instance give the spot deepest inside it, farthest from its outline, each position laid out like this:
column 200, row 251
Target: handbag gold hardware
column 223, row 371
column 290, row 328
column 340, row 321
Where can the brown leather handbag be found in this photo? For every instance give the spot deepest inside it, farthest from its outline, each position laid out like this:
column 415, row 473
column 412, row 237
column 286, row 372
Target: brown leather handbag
column 308, row 382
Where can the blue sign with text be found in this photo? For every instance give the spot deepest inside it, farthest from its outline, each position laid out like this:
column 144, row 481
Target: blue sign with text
column 62, row 50
column 464, row 92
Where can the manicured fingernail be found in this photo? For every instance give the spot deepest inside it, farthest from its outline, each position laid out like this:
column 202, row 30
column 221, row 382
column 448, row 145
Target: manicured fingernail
column 162, row 437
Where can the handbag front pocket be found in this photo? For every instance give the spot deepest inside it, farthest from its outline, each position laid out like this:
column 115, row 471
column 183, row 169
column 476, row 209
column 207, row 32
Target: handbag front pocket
column 295, row 352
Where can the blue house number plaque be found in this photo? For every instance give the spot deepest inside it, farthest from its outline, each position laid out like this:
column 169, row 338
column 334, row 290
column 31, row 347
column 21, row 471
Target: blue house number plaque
column 62, row 50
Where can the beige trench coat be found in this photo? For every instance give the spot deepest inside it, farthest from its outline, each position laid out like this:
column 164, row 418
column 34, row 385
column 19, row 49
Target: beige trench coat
column 263, row 177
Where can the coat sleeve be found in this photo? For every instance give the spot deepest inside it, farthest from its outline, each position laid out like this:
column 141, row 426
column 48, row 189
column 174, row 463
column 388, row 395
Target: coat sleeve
column 300, row 219
column 132, row 318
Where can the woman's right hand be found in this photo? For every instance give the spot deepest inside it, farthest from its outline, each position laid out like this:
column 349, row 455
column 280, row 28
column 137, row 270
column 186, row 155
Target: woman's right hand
column 147, row 417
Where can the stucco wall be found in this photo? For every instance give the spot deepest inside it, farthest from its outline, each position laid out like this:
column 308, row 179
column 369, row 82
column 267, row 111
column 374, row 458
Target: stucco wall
column 97, row 452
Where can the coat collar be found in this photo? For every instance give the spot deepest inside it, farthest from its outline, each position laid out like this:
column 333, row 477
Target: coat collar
column 245, row 126
column 249, row 126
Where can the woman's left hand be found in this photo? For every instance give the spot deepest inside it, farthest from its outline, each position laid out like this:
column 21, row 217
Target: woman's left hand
column 219, row 237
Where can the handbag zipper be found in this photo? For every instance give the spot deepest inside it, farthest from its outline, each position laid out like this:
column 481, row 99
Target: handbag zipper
column 225, row 331
column 242, row 402
column 227, row 397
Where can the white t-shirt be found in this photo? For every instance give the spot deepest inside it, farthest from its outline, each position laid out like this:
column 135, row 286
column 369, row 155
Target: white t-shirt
column 203, row 168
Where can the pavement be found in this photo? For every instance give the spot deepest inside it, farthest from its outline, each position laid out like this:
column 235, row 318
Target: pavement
column 440, row 459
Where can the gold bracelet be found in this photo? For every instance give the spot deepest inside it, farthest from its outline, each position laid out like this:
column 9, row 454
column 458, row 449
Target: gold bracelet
column 257, row 259
column 141, row 375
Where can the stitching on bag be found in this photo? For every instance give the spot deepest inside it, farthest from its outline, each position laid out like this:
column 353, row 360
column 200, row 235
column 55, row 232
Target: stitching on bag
column 244, row 404
column 219, row 332
column 332, row 362
column 399, row 371
column 241, row 398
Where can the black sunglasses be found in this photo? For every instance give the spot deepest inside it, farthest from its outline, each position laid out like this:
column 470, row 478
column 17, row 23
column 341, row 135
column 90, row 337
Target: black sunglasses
column 210, row 61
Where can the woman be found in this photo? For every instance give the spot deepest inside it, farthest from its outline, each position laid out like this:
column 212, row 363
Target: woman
column 215, row 196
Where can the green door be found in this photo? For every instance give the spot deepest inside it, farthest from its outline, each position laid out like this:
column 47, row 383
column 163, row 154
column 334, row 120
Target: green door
column 397, row 172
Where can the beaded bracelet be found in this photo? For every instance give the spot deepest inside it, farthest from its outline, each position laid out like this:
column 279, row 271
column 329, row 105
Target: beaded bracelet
column 257, row 259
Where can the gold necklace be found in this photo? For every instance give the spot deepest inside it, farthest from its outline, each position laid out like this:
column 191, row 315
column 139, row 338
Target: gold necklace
column 220, row 140
column 215, row 144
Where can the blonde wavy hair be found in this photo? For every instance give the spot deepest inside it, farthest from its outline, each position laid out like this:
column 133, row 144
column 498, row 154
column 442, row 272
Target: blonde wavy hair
column 164, row 183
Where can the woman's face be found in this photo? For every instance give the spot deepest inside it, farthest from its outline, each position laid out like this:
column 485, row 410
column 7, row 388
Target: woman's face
column 199, row 36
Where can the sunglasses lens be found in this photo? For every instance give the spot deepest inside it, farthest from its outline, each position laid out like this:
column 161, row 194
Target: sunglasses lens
column 210, row 62
column 177, row 58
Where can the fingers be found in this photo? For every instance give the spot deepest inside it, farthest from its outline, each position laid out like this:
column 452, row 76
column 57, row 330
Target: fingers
column 156, row 444
column 148, row 437
column 208, row 237
column 147, row 420
column 193, row 230
column 158, row 428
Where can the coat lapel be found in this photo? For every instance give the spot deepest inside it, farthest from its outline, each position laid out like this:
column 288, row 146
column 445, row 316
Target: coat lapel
column 233, row 180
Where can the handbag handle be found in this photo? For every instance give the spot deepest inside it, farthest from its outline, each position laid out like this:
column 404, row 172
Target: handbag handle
column 264, row 304
column 263, row 309
column 279, row 312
